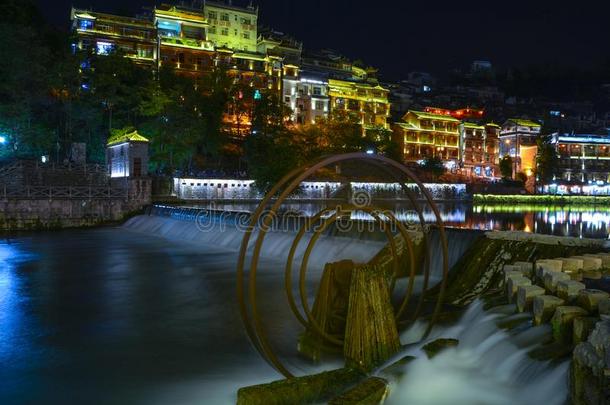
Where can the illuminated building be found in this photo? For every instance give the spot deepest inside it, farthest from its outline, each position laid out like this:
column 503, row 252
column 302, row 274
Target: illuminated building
column 423, row 135
column 368, row 102
column 232, row 26
column 479, row 149
column 183, row 43
column 306, row 94
column 191, row 42
column 254, row 71
column 100, row 33
column 127, row 155
column 271, row 42
column 518, row 140
column 461, row 114
column 583, row 158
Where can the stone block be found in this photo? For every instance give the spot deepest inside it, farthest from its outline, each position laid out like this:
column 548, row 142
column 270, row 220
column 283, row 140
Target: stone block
column 604, row 256
column 513, row 283
column 590, row 299
column 548, row 265
column 552, row 278
column 592, row 274
column 527, row 268
column 512, row 273
column 526, row 295
column 571, row 264
column 569, row 289
column 590, row 262
column 544, row 307
column 582, row 328
column 563, row 322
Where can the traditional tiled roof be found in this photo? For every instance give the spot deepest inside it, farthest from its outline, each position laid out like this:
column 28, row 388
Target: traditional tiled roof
column 473, row 126
column 126, row 137
column 425, row 115
column 525, row 123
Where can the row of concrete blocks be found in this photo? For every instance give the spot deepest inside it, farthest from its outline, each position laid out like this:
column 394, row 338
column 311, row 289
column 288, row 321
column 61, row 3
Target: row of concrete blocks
column 551, row 289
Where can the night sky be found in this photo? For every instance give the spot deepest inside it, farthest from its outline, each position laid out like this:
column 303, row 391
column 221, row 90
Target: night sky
column 399, row 36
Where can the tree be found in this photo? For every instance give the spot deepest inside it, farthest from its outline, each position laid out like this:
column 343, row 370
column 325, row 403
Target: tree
column 506, row 167
column 270, row 156
column 435, row 166
column 24, row 91
column 546, row 160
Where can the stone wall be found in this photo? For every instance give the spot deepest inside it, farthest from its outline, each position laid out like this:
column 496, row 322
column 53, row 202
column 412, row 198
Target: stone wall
column 18, row 214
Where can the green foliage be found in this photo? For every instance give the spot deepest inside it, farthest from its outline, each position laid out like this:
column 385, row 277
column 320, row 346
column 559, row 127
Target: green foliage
column 506, row 167
column 550, row 200
column 435, row 166
column 270, row 156
column 547, row 161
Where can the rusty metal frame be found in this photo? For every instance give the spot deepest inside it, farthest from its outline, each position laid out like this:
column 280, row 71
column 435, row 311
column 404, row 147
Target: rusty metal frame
column 252, row 322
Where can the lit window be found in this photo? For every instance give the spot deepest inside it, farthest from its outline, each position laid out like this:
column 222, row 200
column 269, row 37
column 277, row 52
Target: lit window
column 86, row 24
column 104, row 48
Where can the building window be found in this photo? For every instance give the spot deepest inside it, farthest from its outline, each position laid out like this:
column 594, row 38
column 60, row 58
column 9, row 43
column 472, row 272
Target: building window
column 319, row 105
column 224, row 17
column 287, row 99
column 317, row 91
column 104, row 48
column 246, row 21
column 235, row 32
column 212, row 15
column 225, row 31
column 246, row 35
column 86, row 24
column 212, row 30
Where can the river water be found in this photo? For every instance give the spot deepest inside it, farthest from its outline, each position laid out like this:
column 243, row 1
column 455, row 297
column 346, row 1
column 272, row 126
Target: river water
column 146, row 314
column 576, row 221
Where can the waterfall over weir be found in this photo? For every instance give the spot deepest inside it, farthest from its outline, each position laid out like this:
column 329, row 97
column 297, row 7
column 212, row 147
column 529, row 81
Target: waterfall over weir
column 226, row 230
column 490, row 365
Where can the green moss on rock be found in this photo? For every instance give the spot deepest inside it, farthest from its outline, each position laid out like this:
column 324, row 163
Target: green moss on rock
column 301, row 390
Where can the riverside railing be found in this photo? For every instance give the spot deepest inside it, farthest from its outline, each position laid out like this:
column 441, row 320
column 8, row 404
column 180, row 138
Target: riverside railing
column 62, row 192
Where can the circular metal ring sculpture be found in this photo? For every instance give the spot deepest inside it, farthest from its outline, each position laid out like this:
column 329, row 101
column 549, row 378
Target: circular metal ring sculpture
column 247, row 297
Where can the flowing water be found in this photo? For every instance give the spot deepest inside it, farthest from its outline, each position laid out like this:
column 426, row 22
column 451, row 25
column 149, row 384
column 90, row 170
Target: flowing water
column 489, row 366
column 146, row 314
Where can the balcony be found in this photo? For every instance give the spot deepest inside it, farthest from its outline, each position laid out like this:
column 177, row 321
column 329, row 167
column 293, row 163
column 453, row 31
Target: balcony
column 188, row 43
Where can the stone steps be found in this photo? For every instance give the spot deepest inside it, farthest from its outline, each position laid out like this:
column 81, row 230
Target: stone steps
column 552, row 289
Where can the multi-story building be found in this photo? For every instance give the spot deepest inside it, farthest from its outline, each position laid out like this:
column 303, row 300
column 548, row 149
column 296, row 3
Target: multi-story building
column 182, row 40
column 424, row 135
column 271, row 42
column 583, row 158
column 518, row 140
column 101, row 34
column 256, row 74
column 313, row 102
column 479, row 149
column 368, row 102
column 231, row 26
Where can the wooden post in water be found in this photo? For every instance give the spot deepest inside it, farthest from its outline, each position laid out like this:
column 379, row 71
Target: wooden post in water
column 371, row 334
column 329, row 309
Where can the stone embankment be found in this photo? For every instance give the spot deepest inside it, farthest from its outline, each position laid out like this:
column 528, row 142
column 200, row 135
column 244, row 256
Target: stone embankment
column 554, row 291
